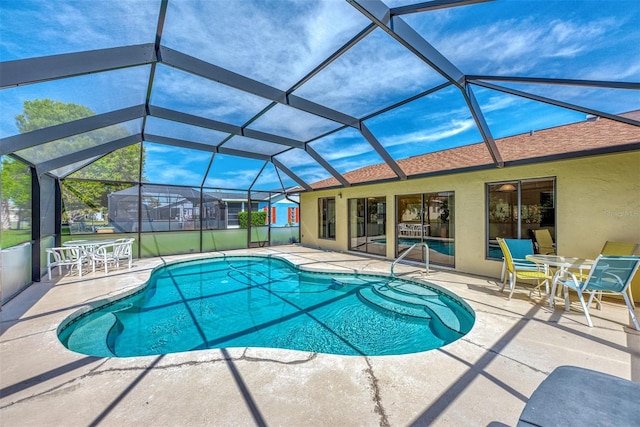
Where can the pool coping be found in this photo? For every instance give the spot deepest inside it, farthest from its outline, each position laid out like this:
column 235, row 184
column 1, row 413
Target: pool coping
column 483, row 378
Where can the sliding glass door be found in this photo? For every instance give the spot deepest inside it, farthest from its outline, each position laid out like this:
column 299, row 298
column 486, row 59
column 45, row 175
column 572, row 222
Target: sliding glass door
column 427, row 218
column 367, row 225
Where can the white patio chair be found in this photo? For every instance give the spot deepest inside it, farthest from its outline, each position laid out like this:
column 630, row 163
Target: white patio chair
column 403, row 229
column 104, row 255
column 123, row 251
column 68, row 256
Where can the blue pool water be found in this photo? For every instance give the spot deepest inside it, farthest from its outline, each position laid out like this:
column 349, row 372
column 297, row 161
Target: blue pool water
column 266, row 302
column 444, row 247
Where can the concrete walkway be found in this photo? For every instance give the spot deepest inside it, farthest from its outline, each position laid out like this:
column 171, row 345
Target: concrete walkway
column 483, row 379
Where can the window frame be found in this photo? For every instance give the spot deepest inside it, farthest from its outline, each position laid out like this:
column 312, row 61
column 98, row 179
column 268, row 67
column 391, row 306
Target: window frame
column 325, row 230
column 517, row 211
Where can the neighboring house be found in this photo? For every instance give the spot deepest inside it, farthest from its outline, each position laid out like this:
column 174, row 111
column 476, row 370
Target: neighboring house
column 282, row 211
column 164, row 209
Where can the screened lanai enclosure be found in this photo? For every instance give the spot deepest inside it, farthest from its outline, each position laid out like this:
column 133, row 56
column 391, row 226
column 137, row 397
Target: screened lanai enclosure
column 193, row 126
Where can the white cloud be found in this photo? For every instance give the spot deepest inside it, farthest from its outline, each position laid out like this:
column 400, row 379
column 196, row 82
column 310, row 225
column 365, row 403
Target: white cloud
column 499, row 102
column 516, row 46
column 167, row 164
column 276, row 43
column 371, row 75
column 292, row 123
column 445, row 130
column 47, row 28
column 340, row 145
column 205, row 97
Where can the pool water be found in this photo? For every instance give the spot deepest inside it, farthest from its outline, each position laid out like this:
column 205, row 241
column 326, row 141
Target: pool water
column 443, row 247
column 266, row 302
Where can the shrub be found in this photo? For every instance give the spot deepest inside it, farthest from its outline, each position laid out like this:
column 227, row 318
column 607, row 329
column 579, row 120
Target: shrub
column 258, row 218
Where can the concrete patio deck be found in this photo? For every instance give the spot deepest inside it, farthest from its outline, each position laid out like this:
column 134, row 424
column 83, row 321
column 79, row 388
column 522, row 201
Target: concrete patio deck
column 483, row 379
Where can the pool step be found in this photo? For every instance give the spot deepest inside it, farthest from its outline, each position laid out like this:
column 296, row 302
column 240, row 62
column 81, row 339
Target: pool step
column 91, row 338
column 372, row 297
column 422, row 298
column 407, row 292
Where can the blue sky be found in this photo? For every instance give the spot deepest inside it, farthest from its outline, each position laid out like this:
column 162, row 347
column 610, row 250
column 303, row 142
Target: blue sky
column 279, row 42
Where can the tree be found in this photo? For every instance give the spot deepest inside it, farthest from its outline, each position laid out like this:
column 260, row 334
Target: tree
column 16, row 191
column 41, row 113
column 86, row 196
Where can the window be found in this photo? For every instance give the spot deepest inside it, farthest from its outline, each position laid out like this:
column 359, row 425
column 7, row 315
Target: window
column 293, row 216
column 327, row 218
column 367, row 225
column 516, row 208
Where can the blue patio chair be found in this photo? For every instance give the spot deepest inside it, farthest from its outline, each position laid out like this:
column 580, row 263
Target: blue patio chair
column 609, row 275
column 516, row 267
column 519, row 249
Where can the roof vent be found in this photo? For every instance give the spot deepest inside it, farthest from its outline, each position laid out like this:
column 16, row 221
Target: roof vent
column 532, row 132
column 592, row 118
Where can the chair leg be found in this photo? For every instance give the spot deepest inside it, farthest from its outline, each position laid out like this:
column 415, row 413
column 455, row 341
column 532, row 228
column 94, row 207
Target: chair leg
column 586, row 309
column 631, row 312
column 512, row 285
column 504, row 281
column 552, row 295
column 597, row 296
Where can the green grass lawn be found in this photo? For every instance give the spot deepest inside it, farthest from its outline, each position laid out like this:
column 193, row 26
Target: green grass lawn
column 15, row 237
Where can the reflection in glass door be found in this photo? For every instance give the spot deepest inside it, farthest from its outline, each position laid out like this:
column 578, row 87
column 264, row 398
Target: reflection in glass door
column 367, row 225
column 429, row 218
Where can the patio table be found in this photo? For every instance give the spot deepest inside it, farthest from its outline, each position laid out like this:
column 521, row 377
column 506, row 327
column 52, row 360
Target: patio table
column 561, row 262
column 88, row 247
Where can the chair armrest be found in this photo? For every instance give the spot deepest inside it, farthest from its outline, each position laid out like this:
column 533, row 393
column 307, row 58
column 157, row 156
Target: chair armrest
column 566, row 276
column 528, row 265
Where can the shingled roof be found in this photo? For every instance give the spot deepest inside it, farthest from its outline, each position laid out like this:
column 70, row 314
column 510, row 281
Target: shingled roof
column 593, row 136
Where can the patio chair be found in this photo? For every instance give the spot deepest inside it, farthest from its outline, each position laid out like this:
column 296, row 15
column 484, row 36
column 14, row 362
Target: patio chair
column 124, row 251
column 544, row 242
column 609, row 275
column 519, row 268
column 104, row 255
column 69, row 256
column 519, row 250
column 619, row 249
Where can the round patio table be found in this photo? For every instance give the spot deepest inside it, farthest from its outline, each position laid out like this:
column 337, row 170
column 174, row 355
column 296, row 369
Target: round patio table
column 561, row 262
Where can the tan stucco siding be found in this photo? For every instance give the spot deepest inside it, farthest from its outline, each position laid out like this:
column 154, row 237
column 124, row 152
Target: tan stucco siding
column 598, row 199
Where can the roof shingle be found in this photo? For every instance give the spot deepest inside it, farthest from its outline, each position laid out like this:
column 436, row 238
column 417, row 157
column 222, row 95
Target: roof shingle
column 591, row 134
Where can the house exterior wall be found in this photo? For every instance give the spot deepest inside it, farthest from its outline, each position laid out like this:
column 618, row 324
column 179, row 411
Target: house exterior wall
column 285, row 213
column 598, row 199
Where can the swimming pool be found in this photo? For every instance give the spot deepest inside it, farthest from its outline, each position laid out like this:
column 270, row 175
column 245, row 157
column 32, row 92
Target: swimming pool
column 267, row 302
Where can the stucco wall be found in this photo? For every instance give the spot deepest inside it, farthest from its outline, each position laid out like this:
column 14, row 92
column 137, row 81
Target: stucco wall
column 598, row 199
